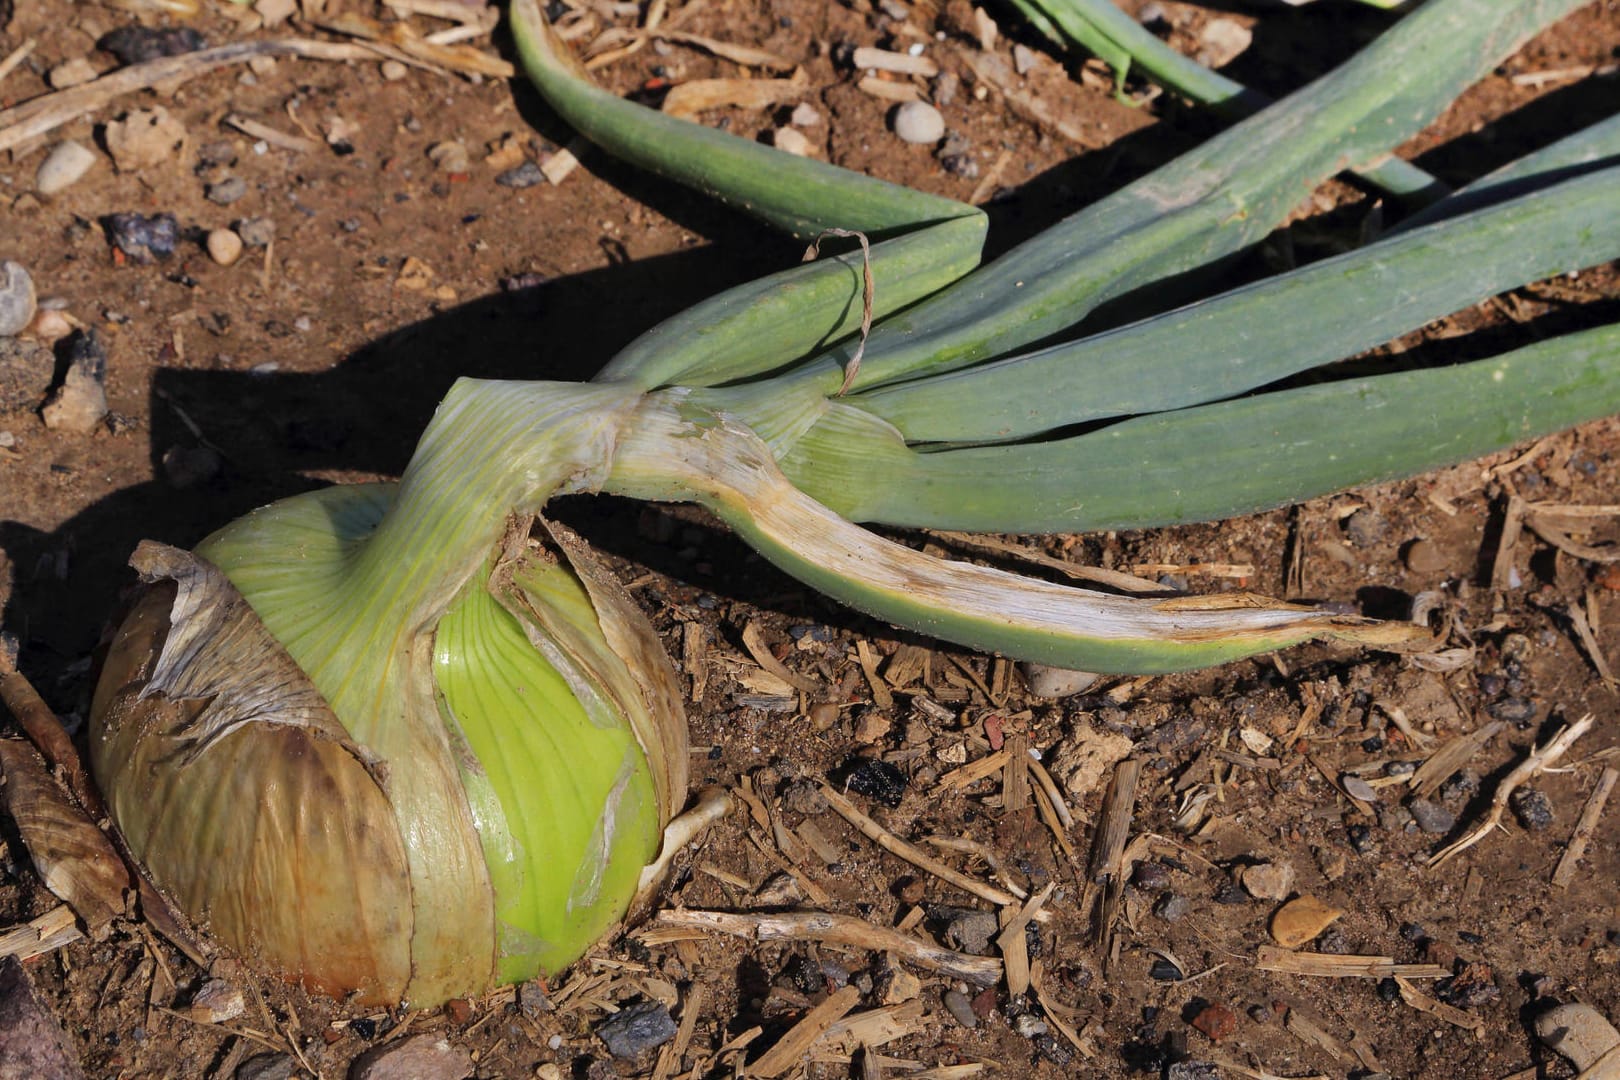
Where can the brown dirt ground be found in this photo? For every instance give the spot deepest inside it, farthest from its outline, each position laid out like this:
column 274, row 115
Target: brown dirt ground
column 311, row 363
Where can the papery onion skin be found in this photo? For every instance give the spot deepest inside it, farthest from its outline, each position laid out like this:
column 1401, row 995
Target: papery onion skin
column 253, row 807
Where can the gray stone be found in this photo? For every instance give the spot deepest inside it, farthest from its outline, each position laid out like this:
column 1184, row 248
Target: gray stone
column 17, row 300
column 1432, row 817
column 32, row 1044
column 226, row 191
column 266, row 1067
column 525, row 175
column 637, row 1028
column 961, row 1009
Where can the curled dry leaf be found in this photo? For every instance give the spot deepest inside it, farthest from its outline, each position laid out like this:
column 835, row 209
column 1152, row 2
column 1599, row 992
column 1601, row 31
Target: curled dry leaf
column 74, row 858
column 691, row 98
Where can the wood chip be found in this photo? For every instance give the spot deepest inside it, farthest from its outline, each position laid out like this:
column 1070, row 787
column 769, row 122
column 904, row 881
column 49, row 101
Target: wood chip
column 974, row 771
column 1451, row 756
column 912, row 854
column 753, row 640
column 1013, row 942
column 40, row 935
column 867, row 58
column 868, row 659
column 1423, row 1003
column 255, row 130
column 1337, row 966
column 1569, row 862
column 792, row 1047
column 1309, row 1031
column 839, row 930
column 874, row 1027
column 1506, row 542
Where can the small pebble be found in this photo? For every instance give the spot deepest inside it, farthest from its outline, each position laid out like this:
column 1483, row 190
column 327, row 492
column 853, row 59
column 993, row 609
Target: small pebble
column 450, row 157
column 1300, row 920
column 1217, row 1022
column 393, row 70
column 1029, row 1025
column 1173, row 908
column 522, row 176
column 1532, row 807
column 1366, row 527
column 1460, row 788
column 961, row 1009
column 224, row 246
column 217, row 1001
column 804, row 797
column 18, row 302
column 635, row 1029
column 1192, row 1070
column 415, row 1057
column 792, row 140
column 80, row 403
column 971, row 932
column 1517, row 711
column 1358, row 787
column 143, row 238
column 70, row 73
column 136, row 44
column 918, row 122
column 1151, row 876
column 876, row 779
column 256, row 232
column 63, row 167
column 1223, row 41
column 1400, row 768
column 1162, row 970
column 1268, row 881
column 1431, row 817
column 226, row 191
column 805, row 115
column 1425, row 557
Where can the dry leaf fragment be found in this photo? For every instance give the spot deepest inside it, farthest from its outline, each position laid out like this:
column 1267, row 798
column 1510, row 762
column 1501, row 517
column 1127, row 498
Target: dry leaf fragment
column 74, row 858
column 691, row 98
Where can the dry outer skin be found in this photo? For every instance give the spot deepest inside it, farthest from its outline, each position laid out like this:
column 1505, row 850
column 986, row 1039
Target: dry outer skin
column 308, row 363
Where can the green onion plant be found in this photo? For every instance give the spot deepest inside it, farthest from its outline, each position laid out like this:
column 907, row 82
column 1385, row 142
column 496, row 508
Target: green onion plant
column 405, row 741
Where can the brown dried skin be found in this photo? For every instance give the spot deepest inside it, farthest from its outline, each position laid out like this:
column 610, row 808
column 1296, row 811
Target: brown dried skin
column 74, row 858
column 275, row 836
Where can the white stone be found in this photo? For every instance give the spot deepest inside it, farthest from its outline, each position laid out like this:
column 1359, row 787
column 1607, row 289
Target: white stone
column 919, row 122
column 64, row 166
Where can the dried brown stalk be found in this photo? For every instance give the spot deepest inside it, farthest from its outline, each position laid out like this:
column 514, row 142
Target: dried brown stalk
column 891, row 843
column 1423, row 1003
column 790, row 1048
column 1013, row 943
column 42, row 934
column 1332, row 966
column 834, row 929
column 1451, row 756
column 1532, row 765
column 1585, row 827
column 47, row 112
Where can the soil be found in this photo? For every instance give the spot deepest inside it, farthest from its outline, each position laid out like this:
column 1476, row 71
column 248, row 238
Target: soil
column 319, row 358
